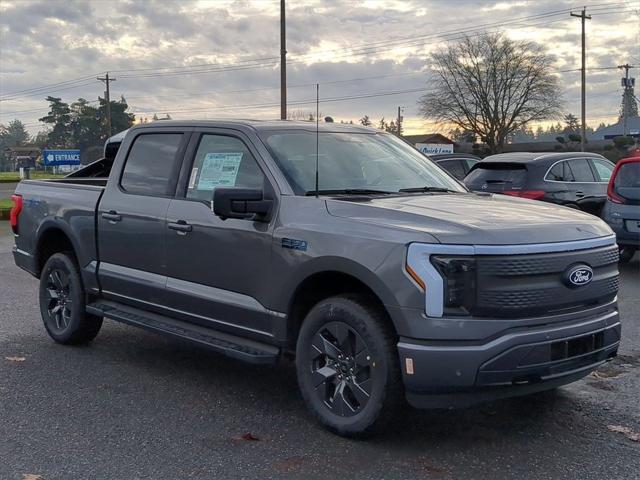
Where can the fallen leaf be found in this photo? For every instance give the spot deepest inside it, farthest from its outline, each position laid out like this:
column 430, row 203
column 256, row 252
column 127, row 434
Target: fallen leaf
column 15, row 359
column 31, row 476
column 248, row 436
column 626, row 431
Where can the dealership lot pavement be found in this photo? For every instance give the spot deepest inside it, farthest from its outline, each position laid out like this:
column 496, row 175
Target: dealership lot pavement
column 134, row 405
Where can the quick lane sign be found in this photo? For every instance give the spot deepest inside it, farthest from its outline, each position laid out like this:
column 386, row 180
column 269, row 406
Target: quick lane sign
column 435, row 147
column 61, row 157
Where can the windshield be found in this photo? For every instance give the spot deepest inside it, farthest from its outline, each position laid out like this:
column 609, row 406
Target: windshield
column 353, row 161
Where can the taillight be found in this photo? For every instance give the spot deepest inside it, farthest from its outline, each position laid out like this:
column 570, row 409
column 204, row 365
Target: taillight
column 612, row 196
column 15, row 212
column 530, row 194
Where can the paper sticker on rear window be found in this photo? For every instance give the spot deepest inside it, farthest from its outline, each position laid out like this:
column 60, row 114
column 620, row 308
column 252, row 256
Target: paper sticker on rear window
column 219, row 170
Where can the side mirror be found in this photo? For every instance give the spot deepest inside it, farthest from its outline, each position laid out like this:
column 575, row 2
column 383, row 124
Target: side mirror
column 241, row 203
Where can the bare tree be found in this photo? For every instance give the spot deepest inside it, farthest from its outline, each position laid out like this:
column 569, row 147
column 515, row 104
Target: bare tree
column 492, row 86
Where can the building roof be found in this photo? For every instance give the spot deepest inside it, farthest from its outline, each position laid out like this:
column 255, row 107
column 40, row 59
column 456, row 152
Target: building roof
column 617, row 130
column 428, row 138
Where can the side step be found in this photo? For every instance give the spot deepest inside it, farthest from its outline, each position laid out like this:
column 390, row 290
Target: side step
column 230, row 345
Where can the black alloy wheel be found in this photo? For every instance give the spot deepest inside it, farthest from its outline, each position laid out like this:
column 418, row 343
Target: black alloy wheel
column 59, row 302
column 62, row 302
column 341, row 368
column 348, row 365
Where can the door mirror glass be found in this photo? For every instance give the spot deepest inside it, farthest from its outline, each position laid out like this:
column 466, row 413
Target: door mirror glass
column 241, row 203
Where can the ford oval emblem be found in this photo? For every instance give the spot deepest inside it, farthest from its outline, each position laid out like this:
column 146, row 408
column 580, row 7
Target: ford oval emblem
column 579, row 276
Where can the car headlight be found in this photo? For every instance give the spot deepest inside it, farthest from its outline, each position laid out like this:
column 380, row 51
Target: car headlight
column 447, row 274
column 459, row 276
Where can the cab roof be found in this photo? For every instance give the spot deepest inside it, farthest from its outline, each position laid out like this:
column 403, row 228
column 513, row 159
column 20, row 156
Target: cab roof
column 261, row 125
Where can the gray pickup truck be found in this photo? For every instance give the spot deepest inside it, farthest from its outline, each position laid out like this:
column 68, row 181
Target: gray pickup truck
column 342, row 247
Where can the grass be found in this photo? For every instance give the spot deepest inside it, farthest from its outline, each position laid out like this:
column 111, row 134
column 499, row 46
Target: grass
column 15, row 176
column 5, row 203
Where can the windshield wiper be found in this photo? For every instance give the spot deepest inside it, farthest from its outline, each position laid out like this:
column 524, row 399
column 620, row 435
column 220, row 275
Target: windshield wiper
column 428, row 189
column 349, row 191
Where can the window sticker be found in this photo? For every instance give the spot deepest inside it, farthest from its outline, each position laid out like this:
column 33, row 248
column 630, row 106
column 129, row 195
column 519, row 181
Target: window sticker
column 192, row 178
column 219, row 170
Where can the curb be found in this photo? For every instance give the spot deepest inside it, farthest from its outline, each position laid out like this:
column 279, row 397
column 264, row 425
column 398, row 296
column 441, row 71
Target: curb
column 9, row 180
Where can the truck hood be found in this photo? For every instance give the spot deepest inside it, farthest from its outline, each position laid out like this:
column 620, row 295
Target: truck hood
column 474, row 219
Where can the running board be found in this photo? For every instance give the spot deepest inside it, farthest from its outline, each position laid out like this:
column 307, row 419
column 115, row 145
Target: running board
column 230, row 345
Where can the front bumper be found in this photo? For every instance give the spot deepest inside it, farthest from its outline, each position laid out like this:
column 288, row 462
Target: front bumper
column 443, row 374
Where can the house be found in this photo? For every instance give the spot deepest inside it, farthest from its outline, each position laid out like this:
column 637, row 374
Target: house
column 617, row 130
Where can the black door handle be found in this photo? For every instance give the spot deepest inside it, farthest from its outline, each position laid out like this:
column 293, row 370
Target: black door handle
column 112, row 216
column 579, row 194
column 180, row 226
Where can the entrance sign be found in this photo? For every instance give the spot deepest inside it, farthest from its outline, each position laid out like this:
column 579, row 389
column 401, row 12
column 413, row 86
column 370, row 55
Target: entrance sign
column 61, row 157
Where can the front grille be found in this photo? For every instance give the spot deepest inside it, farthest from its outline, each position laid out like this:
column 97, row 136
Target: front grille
column 532, row 284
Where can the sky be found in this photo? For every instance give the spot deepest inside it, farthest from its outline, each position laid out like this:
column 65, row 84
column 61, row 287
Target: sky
column 220, row 58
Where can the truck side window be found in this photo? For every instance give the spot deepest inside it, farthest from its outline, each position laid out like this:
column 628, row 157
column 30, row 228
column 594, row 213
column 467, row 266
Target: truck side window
column 222, row 161
column 151, row 164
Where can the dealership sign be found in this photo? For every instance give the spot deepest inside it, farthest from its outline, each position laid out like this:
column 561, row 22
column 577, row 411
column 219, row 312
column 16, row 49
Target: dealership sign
column 61, row 157
column 435, row 147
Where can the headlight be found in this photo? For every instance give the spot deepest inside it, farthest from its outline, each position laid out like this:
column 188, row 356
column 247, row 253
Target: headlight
column 459, row 276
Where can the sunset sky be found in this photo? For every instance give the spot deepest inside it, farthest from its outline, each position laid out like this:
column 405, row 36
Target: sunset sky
column 218, row 58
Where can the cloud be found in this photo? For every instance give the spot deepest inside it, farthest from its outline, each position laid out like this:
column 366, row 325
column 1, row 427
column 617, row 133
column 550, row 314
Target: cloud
column 46, row 42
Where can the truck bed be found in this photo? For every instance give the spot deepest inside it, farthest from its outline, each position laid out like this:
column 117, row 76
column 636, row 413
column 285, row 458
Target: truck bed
column 67, row 204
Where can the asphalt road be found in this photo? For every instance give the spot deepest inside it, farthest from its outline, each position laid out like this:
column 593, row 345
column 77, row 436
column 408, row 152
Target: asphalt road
column 134, row 405
column 7, row 189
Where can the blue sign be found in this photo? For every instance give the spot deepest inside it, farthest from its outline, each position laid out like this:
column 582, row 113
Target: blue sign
column 61, row 157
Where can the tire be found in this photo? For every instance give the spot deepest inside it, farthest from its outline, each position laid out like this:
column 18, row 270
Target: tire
column 62, row 302
column 348, row 366
column 626, row 253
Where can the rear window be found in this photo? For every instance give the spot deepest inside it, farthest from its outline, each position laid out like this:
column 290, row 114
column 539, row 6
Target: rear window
column 496, row 177
column 628, row 176
column 152, row 164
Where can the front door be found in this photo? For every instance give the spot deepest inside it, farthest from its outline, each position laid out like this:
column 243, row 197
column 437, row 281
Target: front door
column 218, row 270
column 132, row 220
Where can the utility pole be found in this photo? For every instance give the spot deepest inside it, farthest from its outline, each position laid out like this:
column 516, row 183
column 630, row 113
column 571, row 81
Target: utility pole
column 583, row 16
column 107, row 99
column 399, row 120
column 628, row 88
column 283, row 63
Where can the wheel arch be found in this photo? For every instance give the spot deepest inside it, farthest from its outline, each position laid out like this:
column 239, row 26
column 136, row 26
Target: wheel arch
column 53, row 237
column 328, row 277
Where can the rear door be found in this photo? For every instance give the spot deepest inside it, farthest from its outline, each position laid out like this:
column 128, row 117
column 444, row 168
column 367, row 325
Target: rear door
column 587, row 192
column 218, row 270
column 131, row 219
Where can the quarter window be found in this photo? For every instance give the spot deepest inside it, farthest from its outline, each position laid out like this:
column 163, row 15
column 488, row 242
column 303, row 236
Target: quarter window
column 151, row 166
column 604, row 169
column 222, row 161
column 581, row 170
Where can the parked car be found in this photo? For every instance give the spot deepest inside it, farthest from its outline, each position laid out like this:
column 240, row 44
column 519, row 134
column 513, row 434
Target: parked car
column 573, row 179
column 622, row 210
column 384, row 278
column 457, row 164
